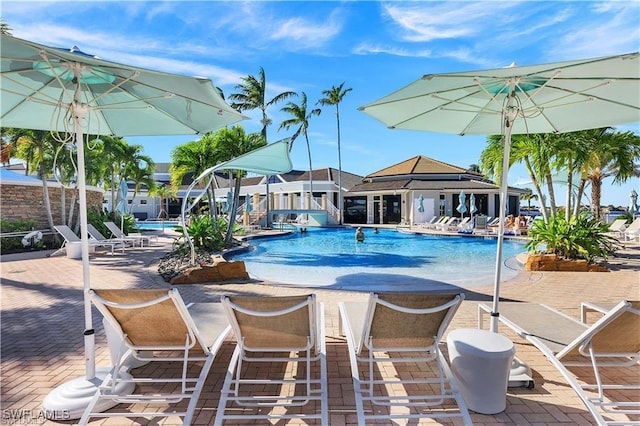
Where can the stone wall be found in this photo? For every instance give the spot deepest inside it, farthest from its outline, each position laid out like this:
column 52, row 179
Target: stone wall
column 25, row 202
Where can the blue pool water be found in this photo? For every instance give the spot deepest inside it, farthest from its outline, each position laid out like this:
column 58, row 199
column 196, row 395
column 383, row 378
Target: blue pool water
column 384, row 261
column 157, row 225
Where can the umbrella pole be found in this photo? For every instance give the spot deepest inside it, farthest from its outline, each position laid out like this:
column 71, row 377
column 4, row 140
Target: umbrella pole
column 70, row 399
column 509, row 114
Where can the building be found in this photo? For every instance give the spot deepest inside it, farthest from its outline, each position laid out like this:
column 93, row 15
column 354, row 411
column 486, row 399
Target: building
column 415, row 190
column 410, row 192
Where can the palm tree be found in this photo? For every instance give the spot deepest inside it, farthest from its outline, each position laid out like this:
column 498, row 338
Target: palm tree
column 253, row 93
column 35, row 146
column 114, row 157
column 5, row 28
column 166, row 193
column 230, row 143
column 194, row 157
column 333, row 97
column 528, row 197
column 300, row 117
column 611, row 154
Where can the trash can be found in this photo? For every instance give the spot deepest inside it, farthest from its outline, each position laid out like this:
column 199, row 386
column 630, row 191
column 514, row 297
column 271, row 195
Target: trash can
column 480, row 361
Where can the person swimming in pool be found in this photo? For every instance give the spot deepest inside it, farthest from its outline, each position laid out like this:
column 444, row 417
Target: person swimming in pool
column 359, row 235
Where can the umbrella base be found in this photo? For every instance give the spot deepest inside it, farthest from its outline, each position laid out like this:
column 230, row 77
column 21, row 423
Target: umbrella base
column 69, row 400
column 520, row 375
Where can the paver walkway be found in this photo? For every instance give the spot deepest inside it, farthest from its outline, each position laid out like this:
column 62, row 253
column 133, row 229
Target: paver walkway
column 42, row 323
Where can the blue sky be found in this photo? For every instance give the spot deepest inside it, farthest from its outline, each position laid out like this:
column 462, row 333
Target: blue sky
column 374, row 47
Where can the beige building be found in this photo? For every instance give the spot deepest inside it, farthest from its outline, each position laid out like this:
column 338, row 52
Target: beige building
column 415, row 190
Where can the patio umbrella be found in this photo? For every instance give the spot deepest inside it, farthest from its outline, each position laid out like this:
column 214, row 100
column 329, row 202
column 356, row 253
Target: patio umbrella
column 549, row 98
column 74, row 94
column 122, row 206
column 462, row 207
column 421, row 203
column 633, row 201
column 248, row 207
column 472, row 204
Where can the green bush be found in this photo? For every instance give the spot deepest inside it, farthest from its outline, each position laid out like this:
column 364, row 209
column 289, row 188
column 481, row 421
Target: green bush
column 203, row 233
column 578, row 238
column 98, row 217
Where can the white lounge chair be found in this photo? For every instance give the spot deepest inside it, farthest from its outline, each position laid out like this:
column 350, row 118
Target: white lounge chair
column 117, row 233
column 96, row 235
column 155, row 325
column 395, row 328
column 71, row 237
column 271, row 330
column 611, row 342
column 617, row 227
column 633, row 230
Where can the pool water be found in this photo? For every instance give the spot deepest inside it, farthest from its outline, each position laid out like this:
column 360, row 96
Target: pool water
column 384, row 261
column 156, row 225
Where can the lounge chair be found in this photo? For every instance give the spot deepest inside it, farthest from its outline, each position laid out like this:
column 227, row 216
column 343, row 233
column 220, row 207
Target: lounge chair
column 287, row 331
column 117, row 233
column 611, row 342
column 480, row 225
column 617, row 227
column 428, row 224
column 155, row 325
column 633, row 230
column 396, row 328
column 97, row 236
column 443, row 226
column 438, row 222
column 71, row 237
column 463, row 225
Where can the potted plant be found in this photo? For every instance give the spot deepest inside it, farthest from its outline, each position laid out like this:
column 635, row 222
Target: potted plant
column 572, row 244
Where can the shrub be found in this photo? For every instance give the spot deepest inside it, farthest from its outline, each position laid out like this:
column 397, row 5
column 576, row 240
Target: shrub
column 13, row 244
column 203, row 233
column 579, row 238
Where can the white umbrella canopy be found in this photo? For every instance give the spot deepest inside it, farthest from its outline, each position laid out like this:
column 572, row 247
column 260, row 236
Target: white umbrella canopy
column 472, row 204
column 462, row 207
column 548, row 98
column 122, row 206
column 39, row 86
column 68, row 91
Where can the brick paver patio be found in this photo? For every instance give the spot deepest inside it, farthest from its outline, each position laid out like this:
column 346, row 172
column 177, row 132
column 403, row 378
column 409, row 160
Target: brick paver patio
column 42, row 324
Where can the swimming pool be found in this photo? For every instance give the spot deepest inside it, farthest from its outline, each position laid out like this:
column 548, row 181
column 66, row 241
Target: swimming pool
column 168, row 224
column 384, row 261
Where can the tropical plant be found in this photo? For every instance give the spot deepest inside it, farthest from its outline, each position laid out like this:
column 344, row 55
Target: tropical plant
column 300, row 117
column 37, row 148
column 577, row 238
column 609, row 154
column 166, row 193
column 203, row 234
column 253, row 92
column 334, row 96
column 230, row 143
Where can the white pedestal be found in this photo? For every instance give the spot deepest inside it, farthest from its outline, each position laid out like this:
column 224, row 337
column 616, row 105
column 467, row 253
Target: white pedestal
column 69, row 400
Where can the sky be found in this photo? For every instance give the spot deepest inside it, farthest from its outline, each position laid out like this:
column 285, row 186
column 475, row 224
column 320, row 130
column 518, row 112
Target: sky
column 373, row 47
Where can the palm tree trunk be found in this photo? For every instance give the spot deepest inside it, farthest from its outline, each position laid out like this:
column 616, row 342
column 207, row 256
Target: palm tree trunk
column 536, row 186
column 576, row 207
column 310, row 167
column 596, row 193
column 552, row 194
column 45, row 195
column 567, row 212
column 339, row 167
